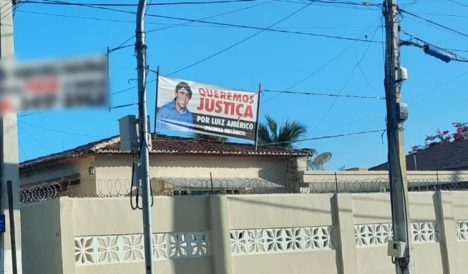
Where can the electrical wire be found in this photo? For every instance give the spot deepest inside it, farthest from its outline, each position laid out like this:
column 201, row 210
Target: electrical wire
column 325, row 94
column 439, row 86
column 336, row 4
column 434, row 23
column 459, row 3
column 65, row 3
column 31, row 113
column 212, row 16
column 230, row 25
column 32, row 167
column 315, row 71
column 413, row 37
column 122, row 45
column 240, row 26
column 32, row 137
column 350, row 3
column 326, row 137
column 77, row 17
column 241, row 41
column 344, row 85
column 59, row 131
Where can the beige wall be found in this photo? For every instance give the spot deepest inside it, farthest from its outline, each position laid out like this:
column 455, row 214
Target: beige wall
column 238, row 234
column 113, row 172
column 42, row 237
column 364, row 175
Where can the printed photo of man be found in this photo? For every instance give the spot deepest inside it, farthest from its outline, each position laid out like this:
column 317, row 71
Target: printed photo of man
column 175, row 114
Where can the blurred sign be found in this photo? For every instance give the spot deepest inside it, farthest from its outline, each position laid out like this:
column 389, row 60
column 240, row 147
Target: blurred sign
column 203, row 108
column 54, row 84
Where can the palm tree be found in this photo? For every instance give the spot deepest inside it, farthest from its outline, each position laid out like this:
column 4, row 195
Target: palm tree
column 284, row 136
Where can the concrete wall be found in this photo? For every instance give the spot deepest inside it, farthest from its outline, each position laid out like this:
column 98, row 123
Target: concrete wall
column 112, row 172
column 239, row 234
column 365, row 175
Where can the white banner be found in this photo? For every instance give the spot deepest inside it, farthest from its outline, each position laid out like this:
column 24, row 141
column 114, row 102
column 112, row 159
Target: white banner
column 55, row 84
column 190, row 106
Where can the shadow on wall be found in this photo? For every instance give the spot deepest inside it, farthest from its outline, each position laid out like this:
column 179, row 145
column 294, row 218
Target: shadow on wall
column 275, row 172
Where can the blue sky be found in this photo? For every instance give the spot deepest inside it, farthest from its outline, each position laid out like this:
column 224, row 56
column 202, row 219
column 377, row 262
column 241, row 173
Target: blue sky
column 436, row 92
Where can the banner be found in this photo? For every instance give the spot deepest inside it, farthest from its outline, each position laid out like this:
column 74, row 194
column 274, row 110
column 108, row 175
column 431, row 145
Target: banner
column 55, row 84
column 203, row 108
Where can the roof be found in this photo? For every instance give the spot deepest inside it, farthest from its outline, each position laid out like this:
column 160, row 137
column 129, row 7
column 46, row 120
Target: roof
column 440, row 156
column 162, row 144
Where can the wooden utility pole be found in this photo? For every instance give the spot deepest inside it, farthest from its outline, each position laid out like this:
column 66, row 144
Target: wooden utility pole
column 9, row 156
column 396, row 150
column 140, row 48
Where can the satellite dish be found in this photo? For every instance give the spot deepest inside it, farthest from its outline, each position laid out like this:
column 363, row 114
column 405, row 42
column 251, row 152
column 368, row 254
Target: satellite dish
column 322, row 159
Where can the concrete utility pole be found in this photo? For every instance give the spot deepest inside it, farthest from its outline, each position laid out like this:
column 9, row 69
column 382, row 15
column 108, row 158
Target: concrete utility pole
column 140, row 48
column 396, row 149
column 9, row 156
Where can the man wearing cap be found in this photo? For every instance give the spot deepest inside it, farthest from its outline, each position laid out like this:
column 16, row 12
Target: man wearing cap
column 175, row 115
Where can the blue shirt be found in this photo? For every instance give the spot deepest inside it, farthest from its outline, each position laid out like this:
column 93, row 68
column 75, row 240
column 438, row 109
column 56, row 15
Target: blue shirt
column 169, row 118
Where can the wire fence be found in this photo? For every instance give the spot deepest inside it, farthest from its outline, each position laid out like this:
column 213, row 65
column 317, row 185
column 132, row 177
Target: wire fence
column 122, row 187
column 40, row 192
column 383, row 185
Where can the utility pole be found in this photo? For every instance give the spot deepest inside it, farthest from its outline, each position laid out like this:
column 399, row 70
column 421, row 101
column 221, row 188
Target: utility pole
column 9, row 158
column 396, row 111
column 140, row 48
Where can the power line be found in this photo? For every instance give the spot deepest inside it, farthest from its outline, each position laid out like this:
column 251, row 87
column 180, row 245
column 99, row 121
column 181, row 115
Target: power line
column 122, row 45
column 317, row 70
column 438, row 86
column 409, row 100
column 58, row 131
column 326, row 137
column 345, row 84
column 77, row 17
column 350, row 3
column 213, row 16
column 325, row 94
column 435, row 23
column 459, row 3
column 337, row 4
column 425, row 42
column 266, row 29
column 240, row 42
column 35, row 139
column 228, row 24
column 64, row 3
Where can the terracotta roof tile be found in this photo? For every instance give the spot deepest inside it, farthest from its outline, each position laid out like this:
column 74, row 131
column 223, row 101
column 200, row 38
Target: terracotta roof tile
column 166, row 145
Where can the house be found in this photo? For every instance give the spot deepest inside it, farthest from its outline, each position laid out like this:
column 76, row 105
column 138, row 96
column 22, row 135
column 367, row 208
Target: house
column 438, row 156
column 177, row 166
column 223, row 234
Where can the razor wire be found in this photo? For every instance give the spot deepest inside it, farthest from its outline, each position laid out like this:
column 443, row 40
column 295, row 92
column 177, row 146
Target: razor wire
column 40, row 192
column 382, row 185
column 121, row 187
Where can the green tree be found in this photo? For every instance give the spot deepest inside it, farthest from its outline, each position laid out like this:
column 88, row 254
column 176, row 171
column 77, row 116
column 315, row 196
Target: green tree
column 283, row 136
